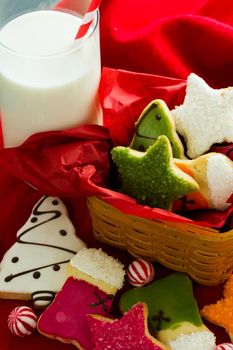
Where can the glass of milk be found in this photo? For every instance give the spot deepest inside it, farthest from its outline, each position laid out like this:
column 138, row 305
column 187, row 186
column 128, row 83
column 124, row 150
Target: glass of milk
column 48, row 81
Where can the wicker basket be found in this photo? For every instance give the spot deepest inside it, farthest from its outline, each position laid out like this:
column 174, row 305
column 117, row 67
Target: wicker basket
column 204, row 253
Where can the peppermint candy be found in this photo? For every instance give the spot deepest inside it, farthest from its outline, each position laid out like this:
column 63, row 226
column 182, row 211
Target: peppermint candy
column 140, row 273
column 225, row 346
column 22, row 321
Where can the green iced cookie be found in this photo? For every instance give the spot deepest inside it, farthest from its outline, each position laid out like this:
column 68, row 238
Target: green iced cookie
column 155, row 120
column 170, row 302
column 152, row 177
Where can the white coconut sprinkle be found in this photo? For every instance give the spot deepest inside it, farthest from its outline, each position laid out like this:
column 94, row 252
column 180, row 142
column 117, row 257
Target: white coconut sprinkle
column 220, row 180
column 195, row 341
column 206, row 116
column 99, row 265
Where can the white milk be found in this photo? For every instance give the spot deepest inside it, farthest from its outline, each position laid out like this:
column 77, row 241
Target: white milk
column 46, row 81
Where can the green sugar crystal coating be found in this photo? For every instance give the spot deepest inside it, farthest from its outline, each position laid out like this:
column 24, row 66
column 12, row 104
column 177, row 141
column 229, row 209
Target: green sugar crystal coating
column 155, row 120
column 172, row 295
column 150, row 176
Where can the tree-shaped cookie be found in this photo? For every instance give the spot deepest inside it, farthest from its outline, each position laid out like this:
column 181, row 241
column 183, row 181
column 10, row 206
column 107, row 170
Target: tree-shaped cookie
column 35, row 266
column 221, row 313
column 155, row 120
column 151, row 176
column 173, row 313
column 214, row 174
column 205, row 117
column 94, row 279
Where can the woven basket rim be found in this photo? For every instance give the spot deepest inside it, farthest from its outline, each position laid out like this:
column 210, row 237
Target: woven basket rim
column 201, row 230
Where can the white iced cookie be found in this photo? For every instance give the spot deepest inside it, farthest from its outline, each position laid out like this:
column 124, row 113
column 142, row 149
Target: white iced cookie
column 206, row 116
column 35, row 267
column 98, row 268
column 214, row 174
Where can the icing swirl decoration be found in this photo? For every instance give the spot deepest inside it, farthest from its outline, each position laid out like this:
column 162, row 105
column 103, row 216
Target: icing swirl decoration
column 36, row 213
column 35, row 266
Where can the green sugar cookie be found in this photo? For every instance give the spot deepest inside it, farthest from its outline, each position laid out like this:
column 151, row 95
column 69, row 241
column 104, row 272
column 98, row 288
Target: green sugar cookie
column 152, row 177
column 173, row 313
column 155, row 120
column 172, row 297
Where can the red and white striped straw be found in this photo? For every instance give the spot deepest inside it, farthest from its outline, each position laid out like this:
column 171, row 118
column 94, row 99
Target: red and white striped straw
column 88, row 19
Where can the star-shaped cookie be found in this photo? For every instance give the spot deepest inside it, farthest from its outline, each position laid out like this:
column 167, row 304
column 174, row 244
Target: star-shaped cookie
column 151, row 176
column 221, row 312
column 206, row 116
column 128, row 333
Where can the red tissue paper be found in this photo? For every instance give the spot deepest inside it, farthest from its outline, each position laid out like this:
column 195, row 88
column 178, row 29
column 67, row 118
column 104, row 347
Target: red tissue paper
column 170, row 38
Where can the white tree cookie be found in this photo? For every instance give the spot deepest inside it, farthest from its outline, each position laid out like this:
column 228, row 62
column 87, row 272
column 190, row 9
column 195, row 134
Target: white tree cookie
column 35, row 266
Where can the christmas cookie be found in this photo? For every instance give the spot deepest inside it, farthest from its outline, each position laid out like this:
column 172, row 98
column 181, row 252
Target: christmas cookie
column 35, row 267
column 173, row 313
column 214, row 174
column 206, row 116
column 128, row 333
column 156, row 120
column 94, row 279
column 151, row 176
column 221, row 312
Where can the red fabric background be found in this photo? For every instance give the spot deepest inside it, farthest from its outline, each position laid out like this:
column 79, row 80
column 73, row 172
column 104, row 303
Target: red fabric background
column 170, row 38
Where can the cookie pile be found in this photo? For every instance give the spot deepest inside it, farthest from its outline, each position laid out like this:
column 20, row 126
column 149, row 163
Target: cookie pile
column 160, row 170
column 75, row 287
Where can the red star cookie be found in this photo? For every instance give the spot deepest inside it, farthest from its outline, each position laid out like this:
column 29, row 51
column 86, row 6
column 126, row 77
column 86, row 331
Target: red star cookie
column 128, row 333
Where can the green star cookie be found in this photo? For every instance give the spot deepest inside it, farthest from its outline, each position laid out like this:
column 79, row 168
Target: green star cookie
column 151, row 176
column 155, row 120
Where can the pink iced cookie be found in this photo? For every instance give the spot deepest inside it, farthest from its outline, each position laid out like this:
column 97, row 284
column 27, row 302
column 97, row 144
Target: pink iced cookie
column 65, row 319
column 128, row 333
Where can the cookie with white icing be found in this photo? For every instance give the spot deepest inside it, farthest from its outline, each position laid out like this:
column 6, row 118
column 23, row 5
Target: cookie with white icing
column 94, row 278
column 35, row 267
column 214, row 174
column 205, row 117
